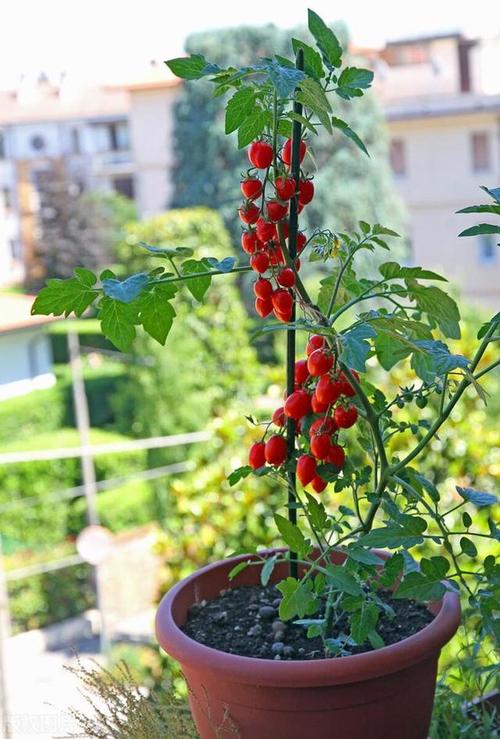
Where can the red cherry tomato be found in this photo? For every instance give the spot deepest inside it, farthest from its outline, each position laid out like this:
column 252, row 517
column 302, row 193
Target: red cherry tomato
column 256, row 455
column 282, row 300
column 345, row 417
column 319, row 484
column 306, row 469
column 262, row 288
column 276, row 450
column 251, row 188
column 316, row 341
column 278, row 417
column 259, row 262
column 324, row 425
column 285, row 187
column 249, row 213
column 260, row 154
column 320, row 362
column 263, row 306
column 286, row 278
column 306, row 191
column 249, row 241
column 336, row 456
column 265, row 230
column 297, row 405
column 276, row 210
column 327, row 391
column 321, row 445
column 286, row 153
column 301, row 371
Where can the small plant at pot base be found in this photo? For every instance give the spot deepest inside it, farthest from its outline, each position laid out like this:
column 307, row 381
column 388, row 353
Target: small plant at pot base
column 335, row 429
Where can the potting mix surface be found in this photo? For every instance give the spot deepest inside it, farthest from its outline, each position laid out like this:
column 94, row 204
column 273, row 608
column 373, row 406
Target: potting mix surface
column 245, row 621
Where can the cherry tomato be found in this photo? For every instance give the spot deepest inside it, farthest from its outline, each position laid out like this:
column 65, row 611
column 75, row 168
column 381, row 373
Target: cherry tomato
column 316, row 341
column 286, row 153
column 297, row 405
column 320, row 362
column 263, row 306
column 306, row 469
column 345, row 417
column 260, row 154
column 306, row 191
column 285, row 187
column 256, row 455
column 259, row 262
column 249, row 213
column 276, row 211
column 251, row 188
column 276, row 450
column 301, row 371
column 286, row 278
column 321, row 445
column 319, row 484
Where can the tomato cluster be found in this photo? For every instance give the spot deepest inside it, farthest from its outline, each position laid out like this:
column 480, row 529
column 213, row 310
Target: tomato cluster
column 263, row 222
column 320, row 406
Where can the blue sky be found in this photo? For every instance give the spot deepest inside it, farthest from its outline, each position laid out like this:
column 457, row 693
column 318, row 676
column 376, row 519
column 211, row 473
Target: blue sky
column 107, row 40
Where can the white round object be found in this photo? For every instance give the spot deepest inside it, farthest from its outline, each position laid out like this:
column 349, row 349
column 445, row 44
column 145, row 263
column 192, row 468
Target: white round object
column 94, row 544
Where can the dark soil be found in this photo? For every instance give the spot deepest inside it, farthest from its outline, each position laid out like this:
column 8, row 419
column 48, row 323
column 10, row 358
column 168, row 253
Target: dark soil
column 245, row 621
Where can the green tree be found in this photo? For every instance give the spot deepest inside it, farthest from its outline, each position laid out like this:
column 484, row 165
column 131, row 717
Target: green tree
column 76, row 227
column 350, row 185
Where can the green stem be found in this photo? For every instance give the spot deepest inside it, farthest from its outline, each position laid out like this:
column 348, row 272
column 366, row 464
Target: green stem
column 195, row 275
column 463, row 385
column 487, row 369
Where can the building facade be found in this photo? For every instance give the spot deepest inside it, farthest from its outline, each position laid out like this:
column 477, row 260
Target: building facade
column 442, row 102
column 42, row 125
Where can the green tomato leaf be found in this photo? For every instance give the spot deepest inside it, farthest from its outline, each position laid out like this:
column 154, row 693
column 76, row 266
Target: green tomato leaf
column 481, row 228
column 438, row 305
column 416, row 585
column 118, row 321
column 267, row 570
column 253, row 126
column 168, row 252
column 193, row 67
column 298, row 598
column 156, row 313
column 435, row 568
column 340, row 579
column 292, row 535
column 127, row 290
column 356, row 347
column 317, row 513
column 225, row 265
column 353, row 81
column 435, row 360
column 394, row 271
column 347, row 131
column 197, row 286
column 326, row 40
column 239, row 107
column 313, row 65
column 391, row 537
column 284, row 79
column 239, row 474
column 479, row 499
column 393, row 567
column 237, row 569
column 60, row 297
column 363, row 622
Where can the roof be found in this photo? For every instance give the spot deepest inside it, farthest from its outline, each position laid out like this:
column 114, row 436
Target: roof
column 155, row 77
column 50, row 103
column 433, row 107
column 422, row 39
column 15, row 313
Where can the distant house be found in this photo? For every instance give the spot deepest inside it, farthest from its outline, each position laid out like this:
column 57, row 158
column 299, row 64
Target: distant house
column 25, row 352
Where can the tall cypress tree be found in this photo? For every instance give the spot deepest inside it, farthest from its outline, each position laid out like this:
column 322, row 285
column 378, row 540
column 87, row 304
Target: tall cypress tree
column 208, row 165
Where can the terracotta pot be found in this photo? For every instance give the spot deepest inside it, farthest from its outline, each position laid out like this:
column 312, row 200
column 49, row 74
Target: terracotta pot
column 384, row 694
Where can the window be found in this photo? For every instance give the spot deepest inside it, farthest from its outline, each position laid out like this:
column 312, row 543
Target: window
column 480, row 150
column 124, row 186
column 2, row 145
column 7, row 198
column 75, row 141
column 397, row 156
column 15, row 249
column 37, row 143
column 112, row 136
column 488, row 250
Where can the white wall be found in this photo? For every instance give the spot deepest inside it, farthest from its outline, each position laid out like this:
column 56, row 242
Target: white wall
column 151, row 134
column 439, row 181
column 25, row 362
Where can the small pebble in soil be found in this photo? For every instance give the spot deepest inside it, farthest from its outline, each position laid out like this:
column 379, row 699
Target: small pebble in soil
column 245, row 621
column 267, row 612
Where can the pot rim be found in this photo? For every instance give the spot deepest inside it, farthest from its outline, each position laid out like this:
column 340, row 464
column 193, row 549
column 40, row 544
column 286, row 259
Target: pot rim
column 295, row 673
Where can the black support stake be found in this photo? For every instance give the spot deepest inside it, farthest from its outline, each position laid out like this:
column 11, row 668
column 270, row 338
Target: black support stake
column 290, row 353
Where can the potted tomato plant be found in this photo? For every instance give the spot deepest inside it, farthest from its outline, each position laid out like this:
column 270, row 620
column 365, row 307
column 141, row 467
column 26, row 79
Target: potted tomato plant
column 337, row 634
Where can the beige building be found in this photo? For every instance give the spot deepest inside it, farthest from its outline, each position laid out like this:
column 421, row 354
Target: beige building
column 442, row 103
